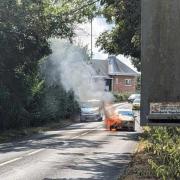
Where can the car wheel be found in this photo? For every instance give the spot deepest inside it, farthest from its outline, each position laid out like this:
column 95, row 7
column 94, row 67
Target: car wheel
column 110, row 128
column 132, row 128
column 82, row 120
column 100, row 119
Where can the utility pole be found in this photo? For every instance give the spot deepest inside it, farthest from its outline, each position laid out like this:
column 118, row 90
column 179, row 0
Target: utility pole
column 91, row 40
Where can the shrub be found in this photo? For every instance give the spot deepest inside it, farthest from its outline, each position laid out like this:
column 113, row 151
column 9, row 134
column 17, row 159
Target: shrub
column 120, row 97
column 164, row 147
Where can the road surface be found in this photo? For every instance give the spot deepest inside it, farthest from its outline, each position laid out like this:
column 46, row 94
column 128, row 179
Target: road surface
column 80, row 151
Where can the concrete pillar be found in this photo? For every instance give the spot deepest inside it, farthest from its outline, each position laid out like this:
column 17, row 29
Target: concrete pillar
column 160, row 26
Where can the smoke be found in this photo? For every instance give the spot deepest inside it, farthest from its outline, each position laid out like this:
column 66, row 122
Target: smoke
column 69, row 66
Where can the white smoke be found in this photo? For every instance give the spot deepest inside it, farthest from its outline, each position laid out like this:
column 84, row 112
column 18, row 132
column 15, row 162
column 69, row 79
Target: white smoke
column 70, row 64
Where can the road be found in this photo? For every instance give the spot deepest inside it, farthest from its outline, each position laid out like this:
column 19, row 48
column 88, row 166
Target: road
column 80, row 151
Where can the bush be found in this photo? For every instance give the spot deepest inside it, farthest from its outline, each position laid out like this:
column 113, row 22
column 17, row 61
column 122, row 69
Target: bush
column 164, row 147
column 120, row 97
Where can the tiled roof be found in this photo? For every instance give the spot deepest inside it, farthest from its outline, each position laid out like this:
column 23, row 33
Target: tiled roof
column 112, row 66
column 100, row 66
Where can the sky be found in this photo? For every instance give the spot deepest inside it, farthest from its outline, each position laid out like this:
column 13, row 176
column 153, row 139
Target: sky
column 99, row 25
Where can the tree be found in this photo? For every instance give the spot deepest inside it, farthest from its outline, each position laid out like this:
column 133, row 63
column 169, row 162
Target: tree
column 25, row 29
column 124, row 38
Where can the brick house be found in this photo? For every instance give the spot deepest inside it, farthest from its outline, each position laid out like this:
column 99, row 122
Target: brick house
column 118, row 77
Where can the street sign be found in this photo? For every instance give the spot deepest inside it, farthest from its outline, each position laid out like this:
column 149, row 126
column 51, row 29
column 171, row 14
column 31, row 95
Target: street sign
column 160, row 91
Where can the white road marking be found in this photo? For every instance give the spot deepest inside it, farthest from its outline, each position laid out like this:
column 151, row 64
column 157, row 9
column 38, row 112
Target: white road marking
column 10, row 161
column 18, row 158
column 34, row 152
column 75, row 137
column 39, row 150
column 85, row 133
column 65, row 143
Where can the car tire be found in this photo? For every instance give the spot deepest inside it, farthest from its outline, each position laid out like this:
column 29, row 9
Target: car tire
column 82, row 120
column 100, row 119
column 110, row 128
column 132, row 129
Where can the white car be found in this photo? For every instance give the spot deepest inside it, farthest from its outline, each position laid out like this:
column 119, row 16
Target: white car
column 132, row 97
column 136, row 104
column 127, row 119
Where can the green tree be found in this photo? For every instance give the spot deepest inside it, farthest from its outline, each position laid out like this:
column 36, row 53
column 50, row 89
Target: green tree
column 124, row 38
column 25, row 29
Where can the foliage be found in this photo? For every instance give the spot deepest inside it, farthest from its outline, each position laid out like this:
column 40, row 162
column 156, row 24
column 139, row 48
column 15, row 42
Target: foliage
column 25, row 29
column 120, row 97
column 124, row 38
column 164, row 147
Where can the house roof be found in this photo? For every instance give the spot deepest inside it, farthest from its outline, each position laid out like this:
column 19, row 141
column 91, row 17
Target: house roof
column 100, row 66
column 112, row 66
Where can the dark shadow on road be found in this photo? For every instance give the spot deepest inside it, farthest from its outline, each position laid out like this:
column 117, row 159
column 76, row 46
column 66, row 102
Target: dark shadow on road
column 98, row 166
column 130, row 136
column 50, row 143
column 55, row 141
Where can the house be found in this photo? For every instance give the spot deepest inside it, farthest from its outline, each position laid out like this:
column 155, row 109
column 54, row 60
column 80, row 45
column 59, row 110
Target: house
column 118, row 77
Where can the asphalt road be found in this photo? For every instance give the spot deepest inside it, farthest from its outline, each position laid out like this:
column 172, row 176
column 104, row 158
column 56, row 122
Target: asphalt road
column 80, row 151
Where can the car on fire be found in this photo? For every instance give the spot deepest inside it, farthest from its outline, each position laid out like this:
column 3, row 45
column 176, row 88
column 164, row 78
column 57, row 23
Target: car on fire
column 125, row 118
column 136, row 104
column 91, row 110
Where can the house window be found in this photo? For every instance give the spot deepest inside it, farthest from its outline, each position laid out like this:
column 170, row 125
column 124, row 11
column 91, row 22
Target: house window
column 116, row 81
column 128, row 82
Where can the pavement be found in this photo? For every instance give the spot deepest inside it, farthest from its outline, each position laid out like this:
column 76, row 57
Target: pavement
column 80, row 151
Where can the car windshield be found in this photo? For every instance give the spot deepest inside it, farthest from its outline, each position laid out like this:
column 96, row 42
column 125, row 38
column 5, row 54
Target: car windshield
column 90, row 104
column 126, row 113
column 137, row 101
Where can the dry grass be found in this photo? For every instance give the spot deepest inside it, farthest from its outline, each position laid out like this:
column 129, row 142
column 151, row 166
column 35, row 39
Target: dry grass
column 139, row 168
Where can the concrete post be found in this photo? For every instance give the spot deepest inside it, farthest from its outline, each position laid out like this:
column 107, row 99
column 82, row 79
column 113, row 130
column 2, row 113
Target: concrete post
column 160, row 26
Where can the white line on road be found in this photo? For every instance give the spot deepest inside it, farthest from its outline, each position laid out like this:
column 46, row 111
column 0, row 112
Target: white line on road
column 85, row 133
column 34, row 152
column 10, row 161
column 18, row 158
column 39, row 150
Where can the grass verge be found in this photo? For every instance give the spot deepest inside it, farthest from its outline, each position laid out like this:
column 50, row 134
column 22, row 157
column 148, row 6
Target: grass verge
column 13, row 135
column 157, row 156
column 139, row 168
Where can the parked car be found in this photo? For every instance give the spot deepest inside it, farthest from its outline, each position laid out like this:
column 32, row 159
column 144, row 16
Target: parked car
column 126, row 120
column 91, row 110
column 136, row 104
column 132, row 97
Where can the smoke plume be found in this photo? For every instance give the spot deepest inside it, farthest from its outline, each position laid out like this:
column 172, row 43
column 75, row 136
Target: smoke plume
column 69, row 66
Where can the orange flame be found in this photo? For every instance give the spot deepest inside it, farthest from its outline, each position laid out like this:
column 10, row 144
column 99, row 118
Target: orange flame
column 112, row 119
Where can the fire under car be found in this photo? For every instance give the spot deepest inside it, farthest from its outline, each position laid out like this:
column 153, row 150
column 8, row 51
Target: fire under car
column 123, row 119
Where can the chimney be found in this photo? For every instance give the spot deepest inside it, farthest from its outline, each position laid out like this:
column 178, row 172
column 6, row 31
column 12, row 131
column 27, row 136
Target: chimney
column 111, row 64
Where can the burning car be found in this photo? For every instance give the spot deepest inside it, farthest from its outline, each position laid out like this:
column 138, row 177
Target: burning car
column 91, row 110
column 123, row 118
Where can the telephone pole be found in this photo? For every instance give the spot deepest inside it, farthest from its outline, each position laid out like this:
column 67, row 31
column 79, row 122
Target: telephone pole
column 91, row 40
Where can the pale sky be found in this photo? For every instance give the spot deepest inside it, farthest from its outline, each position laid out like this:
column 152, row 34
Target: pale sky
column 99, row 25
